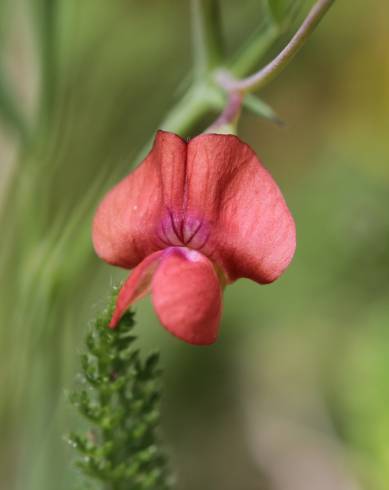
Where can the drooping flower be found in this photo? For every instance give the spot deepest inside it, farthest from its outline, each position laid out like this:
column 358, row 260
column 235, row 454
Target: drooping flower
column 192, row 218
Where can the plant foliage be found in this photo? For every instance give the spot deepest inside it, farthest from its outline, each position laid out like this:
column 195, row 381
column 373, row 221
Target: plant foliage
column 119, row 395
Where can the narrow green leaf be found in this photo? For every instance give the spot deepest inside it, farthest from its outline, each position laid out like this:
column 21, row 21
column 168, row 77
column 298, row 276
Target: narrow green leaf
column 258, row 107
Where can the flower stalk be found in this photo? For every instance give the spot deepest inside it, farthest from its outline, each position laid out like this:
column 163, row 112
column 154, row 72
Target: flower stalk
column 227, row 122
column 261, row 78
column 265, row 75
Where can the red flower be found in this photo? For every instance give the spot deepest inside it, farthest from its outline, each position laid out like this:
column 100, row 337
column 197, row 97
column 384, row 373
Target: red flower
column 193, row 217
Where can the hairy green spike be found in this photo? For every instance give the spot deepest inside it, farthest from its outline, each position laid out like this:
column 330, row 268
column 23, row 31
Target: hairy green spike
column 119, row 395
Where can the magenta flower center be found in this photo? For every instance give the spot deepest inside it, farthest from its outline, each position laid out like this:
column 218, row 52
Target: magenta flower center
column 183, row 230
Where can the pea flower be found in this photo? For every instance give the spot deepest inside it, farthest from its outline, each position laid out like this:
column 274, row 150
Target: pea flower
column 192, row 218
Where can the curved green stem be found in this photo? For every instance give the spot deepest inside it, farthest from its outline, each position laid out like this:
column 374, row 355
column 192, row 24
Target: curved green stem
column 249, row 56
column 260, row 42
column 266, row 74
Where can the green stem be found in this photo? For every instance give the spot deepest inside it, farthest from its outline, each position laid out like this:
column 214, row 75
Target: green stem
column 182, row 118
column 189, row 111
column 207, row 39
column 266, row 74
column 257, row 46
column 201, row 97
column 260, row 42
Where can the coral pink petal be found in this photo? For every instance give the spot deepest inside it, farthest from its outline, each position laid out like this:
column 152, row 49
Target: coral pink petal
column 187, row 296
column 124, row 227
column 253, row 232
column 136, row 286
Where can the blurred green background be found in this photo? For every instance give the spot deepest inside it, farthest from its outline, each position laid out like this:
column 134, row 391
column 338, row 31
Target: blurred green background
column 295, row 394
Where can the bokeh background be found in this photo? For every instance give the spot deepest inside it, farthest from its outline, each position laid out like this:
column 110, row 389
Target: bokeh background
column 295, row 394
